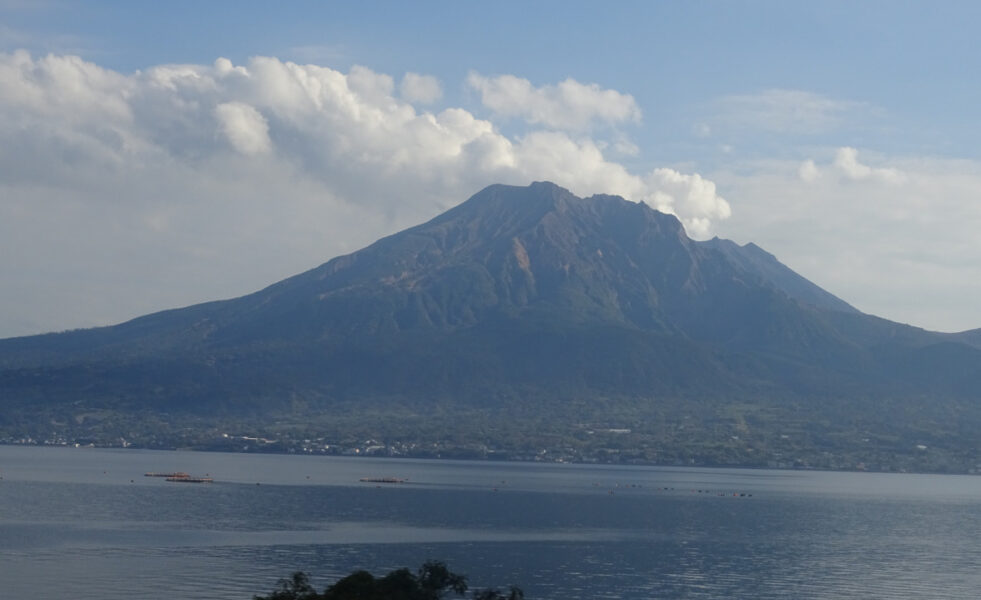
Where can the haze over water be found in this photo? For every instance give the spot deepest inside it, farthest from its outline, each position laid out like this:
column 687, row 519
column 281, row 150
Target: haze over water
column 87, row 522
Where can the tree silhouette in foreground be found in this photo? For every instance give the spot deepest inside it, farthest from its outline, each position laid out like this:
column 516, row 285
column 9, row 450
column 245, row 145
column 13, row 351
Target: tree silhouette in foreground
column 433, row 581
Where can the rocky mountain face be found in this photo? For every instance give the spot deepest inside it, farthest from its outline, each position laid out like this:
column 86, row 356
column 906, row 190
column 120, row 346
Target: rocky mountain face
column 520, row 296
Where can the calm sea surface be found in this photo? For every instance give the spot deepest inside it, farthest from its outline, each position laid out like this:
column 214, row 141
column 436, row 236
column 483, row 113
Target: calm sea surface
column 86, row 524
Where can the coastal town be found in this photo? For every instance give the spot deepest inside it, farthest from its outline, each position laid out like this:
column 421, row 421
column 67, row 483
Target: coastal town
column 606, row 446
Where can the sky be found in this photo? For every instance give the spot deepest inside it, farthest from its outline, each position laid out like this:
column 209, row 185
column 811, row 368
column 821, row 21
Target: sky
column 159, row 154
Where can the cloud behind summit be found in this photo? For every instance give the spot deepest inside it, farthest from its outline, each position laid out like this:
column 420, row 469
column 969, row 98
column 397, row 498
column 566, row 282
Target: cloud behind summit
column 261, row 169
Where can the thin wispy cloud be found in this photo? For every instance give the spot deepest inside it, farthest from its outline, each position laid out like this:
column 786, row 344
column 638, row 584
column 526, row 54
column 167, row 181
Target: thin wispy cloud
column 783, row 111
column 29, row 5
column 318, row 53
column 59, row 43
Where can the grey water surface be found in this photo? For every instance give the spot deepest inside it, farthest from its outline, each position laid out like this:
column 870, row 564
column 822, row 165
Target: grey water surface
column 85, row 524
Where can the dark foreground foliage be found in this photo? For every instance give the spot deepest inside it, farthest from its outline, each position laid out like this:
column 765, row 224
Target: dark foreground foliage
column 432, row 581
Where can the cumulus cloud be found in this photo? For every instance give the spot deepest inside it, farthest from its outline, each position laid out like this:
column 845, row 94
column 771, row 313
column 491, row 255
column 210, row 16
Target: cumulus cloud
column 256, row 171
column 693, row 198
column 245, row 128
column 420, row 89
column 372, row 88
column 568, row 105
column 65, row 88
column 846, row 161
column 581, row 166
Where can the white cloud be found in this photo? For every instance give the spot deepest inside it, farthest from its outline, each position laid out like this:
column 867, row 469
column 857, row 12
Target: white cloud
column 904, row 252
column 373, row 88
column 420, row 89
column 252, row 172
column 568, row 105
column 245, row 128
column 65, row 88
column 581, row 166
column 808, row 171
column 693, row 198
column 846, row 161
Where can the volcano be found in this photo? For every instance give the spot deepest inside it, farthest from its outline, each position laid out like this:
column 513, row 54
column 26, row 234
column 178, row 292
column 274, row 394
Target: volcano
column 528, row 300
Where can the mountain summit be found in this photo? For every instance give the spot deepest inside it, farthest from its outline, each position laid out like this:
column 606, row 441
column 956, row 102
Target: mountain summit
column 523, row 299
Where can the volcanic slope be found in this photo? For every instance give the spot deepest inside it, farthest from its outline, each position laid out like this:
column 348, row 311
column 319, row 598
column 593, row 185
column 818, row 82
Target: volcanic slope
column 526, row 297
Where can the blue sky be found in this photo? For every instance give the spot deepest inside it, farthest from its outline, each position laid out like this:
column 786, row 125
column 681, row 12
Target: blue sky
column 137, row 173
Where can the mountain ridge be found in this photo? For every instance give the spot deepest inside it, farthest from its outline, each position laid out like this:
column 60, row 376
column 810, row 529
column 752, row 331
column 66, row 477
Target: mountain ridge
column 520, row 298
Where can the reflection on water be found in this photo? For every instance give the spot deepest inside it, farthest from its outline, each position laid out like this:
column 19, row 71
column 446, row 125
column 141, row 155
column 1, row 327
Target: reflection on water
column 89, row 522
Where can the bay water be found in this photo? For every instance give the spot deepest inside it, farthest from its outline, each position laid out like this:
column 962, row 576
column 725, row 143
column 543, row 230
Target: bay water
column 86, row 523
